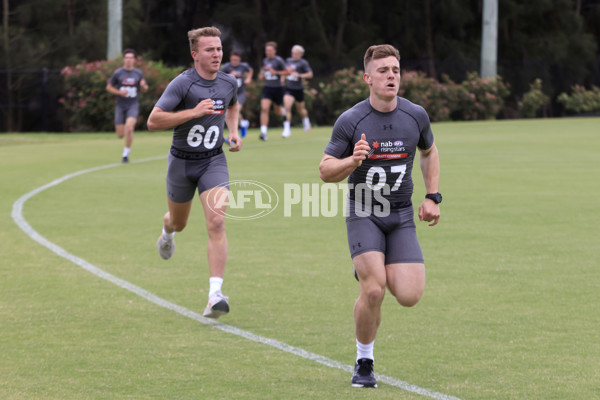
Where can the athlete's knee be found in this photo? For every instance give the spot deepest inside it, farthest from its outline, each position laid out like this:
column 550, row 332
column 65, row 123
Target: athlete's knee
column 215, row 224
column 410, row 298
column 374, row 294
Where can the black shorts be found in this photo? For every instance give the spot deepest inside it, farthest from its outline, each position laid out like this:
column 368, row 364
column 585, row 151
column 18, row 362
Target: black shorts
column 297, row 93
column 275, row 94
column 184, row 177
column 394, row 235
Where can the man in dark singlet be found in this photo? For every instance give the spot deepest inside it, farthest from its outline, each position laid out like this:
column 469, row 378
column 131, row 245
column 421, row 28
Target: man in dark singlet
column 374, row 144
column 197, row 104
column 126, row 83
column 272, row 70
column 242, row 72
column 294, row 89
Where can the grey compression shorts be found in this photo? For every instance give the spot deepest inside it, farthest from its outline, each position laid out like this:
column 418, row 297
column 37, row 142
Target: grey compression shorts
column 393, row 235
column 241, row 97
column 124, row 112
column 184, row 177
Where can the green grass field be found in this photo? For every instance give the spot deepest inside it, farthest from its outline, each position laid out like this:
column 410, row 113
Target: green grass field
column 511, row 308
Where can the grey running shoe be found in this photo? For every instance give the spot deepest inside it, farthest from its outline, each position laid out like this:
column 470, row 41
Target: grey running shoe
column 363, row 374
column 166, row 248
column 263, row 136
column 217, row 305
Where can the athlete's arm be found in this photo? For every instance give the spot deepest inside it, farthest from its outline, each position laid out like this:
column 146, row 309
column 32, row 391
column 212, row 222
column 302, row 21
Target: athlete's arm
column 249, row 75
column 231, row 119
column 144, row 85
column 334, row 169
column 160, row 120
column 111, row 89
column 430, row 167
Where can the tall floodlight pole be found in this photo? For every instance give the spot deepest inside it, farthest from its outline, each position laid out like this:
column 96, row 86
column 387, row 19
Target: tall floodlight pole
column 489, row 39
column 115, row 19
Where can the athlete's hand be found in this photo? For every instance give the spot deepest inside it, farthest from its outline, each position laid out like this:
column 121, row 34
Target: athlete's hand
column 204, row 107
column 361, row 150
column 429, row 211
column 235, row 142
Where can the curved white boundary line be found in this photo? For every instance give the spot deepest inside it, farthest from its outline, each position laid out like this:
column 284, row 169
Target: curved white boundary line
column 17, row 215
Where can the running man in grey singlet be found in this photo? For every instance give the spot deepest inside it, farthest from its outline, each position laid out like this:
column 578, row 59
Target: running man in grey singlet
column 373, row 144
column 272, row 70
column 196, row 105
column 126, row 83
column 294, row 89
column 242, row 72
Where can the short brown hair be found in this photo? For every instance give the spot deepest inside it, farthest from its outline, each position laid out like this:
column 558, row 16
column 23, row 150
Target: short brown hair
column 380, row 51
column 273, row 44
column 195, row 34
column 129, row 51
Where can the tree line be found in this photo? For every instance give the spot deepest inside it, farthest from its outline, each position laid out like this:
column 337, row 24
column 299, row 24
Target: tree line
column 554, row 41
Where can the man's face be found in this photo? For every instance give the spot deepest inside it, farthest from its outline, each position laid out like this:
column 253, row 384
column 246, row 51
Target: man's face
column 270, row 51
column 235, row 60
column 296, row 54
column 128, row 61
column 383, row 77
column 208, row 54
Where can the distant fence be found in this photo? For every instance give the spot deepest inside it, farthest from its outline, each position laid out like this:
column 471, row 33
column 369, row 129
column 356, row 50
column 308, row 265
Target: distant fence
column 29, row 100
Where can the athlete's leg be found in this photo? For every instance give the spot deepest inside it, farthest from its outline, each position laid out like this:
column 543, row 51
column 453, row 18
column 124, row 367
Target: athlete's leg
column 265, row 106
column 129, row 128
column 120, row 129
column 371, row 273
column 176, row 218
column 214, row 212
column 406, row 282
column 288, row 102
column 301, row 107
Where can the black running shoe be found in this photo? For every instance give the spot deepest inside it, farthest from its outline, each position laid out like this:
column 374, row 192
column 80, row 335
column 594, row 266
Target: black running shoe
column 363, row 374
column 125, row 160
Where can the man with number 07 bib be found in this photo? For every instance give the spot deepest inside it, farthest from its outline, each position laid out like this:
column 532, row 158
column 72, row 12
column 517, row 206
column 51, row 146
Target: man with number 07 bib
column 374, row 144
column 197, row 104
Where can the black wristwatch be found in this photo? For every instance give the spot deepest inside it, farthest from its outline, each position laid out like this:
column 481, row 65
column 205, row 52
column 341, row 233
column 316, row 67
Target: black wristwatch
column 436, row 197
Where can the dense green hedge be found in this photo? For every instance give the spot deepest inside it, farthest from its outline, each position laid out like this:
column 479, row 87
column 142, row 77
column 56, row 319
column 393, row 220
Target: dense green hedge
column 91, row 108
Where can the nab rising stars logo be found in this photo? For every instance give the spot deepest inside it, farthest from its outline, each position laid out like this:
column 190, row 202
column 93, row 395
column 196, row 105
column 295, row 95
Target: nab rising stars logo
column 387, row 149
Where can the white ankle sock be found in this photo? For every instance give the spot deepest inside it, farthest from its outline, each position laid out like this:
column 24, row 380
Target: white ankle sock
column 126, row 151
column 263, row 129
column 166, row 235
column 215, row 285
column 286, row 125
column 364, row 350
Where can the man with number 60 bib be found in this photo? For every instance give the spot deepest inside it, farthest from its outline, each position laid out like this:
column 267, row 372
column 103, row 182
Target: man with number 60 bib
column 197, row 104
column 374, row 144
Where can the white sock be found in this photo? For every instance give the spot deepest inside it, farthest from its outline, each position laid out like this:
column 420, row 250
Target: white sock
column 364, row 350
column 126, row 151
column 245, row 123
column 286, row 125
column 263, row 129
column 166, row 235
column 306, row 121
column 215, row 285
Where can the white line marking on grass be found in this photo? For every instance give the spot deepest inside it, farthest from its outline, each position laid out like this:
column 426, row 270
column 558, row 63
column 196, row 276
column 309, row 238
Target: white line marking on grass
column 17, row 215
